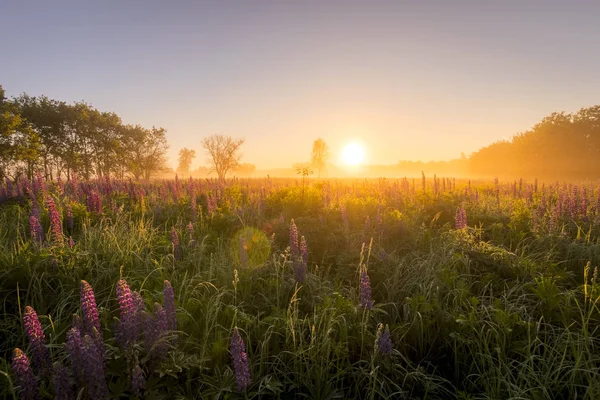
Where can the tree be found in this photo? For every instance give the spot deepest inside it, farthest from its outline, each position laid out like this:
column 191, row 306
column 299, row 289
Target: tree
column 147, row 151
column 19, row 144
column 320, row 155
column 223, row 152
column 185, row 161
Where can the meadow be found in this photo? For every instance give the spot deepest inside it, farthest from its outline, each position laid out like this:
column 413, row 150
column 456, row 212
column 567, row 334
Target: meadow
column 430, row 288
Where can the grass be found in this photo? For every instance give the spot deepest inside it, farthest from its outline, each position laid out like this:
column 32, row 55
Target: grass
column 505, row 308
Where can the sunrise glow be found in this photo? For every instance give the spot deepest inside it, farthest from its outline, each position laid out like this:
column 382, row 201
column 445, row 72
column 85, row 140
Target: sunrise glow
column 353, row 154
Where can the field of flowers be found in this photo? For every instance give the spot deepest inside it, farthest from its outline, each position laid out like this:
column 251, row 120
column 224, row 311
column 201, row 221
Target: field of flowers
column 370, row 289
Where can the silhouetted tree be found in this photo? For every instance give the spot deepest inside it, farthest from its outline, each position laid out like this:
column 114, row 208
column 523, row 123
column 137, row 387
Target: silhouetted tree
column 185, row 160
column 223, row 152
column 320, row 155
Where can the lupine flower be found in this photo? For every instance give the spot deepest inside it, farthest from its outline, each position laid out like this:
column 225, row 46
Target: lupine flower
column 24, row 376
column 88, row 306
column 169, row 306
column 127, row 329
column 138, row 383
column 71, row 242
column 55, row 224
column 35, row 228
column 193, row 206
column 460, row 219
column 384, row 340
column 365, row 290
column 70, row 218
column 175, row 242
column 240, row 361
column 294, row 241
column 344, row 216
column 37, row 339
column 301, row 262
column 94, row 369
column 62, row 384
column 74, row 346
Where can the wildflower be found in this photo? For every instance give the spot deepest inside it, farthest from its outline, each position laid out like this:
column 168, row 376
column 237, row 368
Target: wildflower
column 383, row 342
column 62, row 383
column 138, row 383
column 169, row 306
column 74, row 346
column 88, row 306
column 460, row 219
column 127, row 328
column 24, row 376
column 55, row 224
column 37, row 339
column 301, row 263
column 71, row 242
column 240, row 360
column 35, row 228
column 70, row 218
column 94, row 369
column 365, row 290
column 175, row 243
column 294, row 241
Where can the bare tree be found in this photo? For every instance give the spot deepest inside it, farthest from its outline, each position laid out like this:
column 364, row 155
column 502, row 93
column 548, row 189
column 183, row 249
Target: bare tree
column 185, row 161
column 223, row 152
column 320, row 155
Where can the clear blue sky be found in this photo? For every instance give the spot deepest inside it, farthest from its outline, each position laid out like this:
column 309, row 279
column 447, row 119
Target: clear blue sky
column 410, row 79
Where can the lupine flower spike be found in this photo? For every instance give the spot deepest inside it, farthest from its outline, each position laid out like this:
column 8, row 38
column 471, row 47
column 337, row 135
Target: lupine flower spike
column 365, row 289
column 384, row 340
column 240, row 361
column 37, row 339
column 24, row 376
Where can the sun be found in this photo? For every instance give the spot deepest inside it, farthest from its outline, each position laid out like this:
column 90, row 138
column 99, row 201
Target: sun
column 353, row 154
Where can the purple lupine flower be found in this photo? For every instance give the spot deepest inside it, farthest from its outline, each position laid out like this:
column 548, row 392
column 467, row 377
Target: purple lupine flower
column 384, row 340
column 175, row 243
column 240, row 360
column 27, row 386
column 154, row 330
column 460, row 220
column 294, row 241
column 88, row 306
column 71, row 242
column 138, row 383
column 37, row 339
column 127, row 329
column 193, row 206
column 70, row 224
column 282, row 220
column 365, row 289
column 243, row 252
column 55, row 224
column 169, row 306
column 62, row 383
column 344, row 216
column 35, row 228
column 74, row 346
column 94, row 369
column 301, row 262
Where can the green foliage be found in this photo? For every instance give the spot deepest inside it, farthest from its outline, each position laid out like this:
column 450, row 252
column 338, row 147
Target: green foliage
column 503, row 308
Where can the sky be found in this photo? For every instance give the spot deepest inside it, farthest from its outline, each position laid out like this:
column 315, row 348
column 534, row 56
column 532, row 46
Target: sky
column 410, row 80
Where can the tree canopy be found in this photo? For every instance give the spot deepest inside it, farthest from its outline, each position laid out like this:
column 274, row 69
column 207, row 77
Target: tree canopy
column 59, row 139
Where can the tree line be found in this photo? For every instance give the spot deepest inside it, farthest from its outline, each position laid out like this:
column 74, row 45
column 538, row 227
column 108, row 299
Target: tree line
column 39, row 134
column 561, row 146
